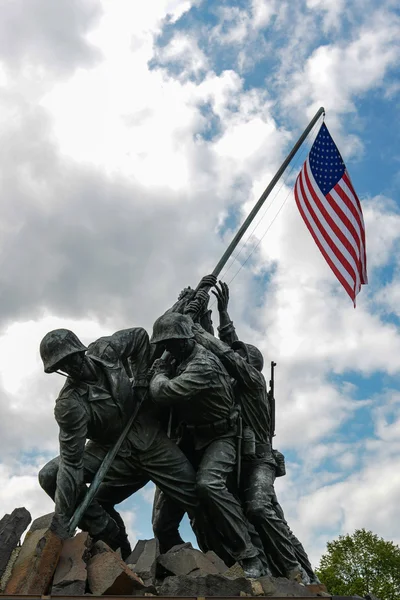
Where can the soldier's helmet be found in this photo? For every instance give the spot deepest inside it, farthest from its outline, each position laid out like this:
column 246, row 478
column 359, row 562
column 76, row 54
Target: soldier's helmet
column 172, row 326
column 57, row 345
column 253, row 355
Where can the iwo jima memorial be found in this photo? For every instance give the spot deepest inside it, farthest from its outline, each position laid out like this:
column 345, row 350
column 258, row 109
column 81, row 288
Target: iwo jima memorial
column 192, row 413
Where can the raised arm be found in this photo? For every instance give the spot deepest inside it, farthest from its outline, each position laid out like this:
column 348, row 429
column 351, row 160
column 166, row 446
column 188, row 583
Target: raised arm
column 237, row 367
column 183, row 388
column 226, row 329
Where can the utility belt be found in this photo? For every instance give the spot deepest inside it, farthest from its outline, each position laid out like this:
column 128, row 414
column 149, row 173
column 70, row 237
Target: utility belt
column 217, row 427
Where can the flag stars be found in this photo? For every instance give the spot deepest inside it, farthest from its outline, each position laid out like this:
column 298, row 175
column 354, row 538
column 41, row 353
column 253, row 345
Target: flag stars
column 325, row 161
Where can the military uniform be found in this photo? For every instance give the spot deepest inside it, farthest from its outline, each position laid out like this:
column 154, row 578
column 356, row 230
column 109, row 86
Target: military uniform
column 99, row 410
column 258, row 462
column 202, row 396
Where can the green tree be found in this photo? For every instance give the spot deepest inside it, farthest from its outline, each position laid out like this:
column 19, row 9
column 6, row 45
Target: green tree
column 361, row 564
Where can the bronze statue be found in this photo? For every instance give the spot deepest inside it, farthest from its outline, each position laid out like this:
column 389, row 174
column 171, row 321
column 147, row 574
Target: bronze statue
column 201, row 392
column 218, row 466
column 95, row 404
column 244, row 363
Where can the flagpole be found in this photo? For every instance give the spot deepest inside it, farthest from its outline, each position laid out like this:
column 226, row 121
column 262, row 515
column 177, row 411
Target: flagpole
column 225, row 257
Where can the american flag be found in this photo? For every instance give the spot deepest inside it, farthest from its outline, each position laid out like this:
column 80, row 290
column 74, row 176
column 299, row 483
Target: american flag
column 332, row 212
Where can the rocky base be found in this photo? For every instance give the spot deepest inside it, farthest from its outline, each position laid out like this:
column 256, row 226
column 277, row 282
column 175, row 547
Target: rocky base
column 48, row 564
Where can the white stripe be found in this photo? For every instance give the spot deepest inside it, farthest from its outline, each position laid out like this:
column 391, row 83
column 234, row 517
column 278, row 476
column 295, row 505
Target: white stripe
column 325, row 225
column 334, row 216
column 346, row 275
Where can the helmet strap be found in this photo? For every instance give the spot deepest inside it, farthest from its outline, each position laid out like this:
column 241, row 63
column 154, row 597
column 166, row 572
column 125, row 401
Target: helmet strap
column 61, row 373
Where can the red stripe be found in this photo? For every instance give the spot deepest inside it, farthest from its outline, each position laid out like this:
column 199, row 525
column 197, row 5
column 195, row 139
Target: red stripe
column 347, row 180
column 332, row 265
column 344, row 262
column 339, row 233
column 349, row 183
column 350, row 205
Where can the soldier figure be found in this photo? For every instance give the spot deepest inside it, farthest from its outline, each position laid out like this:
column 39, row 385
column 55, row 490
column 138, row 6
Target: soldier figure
column 244, row 363
column 96, row 402
column 201, row 393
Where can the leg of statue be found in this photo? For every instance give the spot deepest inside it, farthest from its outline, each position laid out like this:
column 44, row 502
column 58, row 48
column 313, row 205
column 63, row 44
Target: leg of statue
column 299, row 550
column 101, row 519
column 166, row 519
column 168, row 513
column 94, row 520
column 218, row 460
column 172, row 472
column 258, row 493
column 166, row 465
column 48, row 477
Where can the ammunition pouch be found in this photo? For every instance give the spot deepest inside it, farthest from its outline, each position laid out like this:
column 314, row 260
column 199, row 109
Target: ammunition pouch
column 263, row 449
column 249, row 442
column 261, row 453
column 280, row 469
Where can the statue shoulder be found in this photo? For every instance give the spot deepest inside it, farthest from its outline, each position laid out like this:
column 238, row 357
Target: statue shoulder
column 72, row 388
column 70, row 406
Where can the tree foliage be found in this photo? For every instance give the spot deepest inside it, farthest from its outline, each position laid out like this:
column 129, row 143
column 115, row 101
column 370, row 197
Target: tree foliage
column 361, row 564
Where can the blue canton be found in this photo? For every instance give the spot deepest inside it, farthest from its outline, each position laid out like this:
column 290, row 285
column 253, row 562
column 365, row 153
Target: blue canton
column 326, row 164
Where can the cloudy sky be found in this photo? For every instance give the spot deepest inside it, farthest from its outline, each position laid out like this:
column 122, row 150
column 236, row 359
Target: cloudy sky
column 134, row 138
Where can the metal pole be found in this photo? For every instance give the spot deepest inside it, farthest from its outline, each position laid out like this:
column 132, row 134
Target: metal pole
column 266, row 193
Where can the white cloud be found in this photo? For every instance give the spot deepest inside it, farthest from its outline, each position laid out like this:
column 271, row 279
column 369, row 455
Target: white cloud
column 335, row 75
column 389, row 296
column 233, row 25
column 262, row 12
column 185, row 52
column 20, row 487
column 367, row 499
column 31, row 39
column 333, row 11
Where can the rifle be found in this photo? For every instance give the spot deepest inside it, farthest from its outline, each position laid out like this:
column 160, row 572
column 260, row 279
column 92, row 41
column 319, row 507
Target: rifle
column 271, row 399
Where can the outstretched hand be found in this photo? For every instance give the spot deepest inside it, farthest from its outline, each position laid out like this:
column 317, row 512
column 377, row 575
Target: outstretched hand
column 208, row 281
column 222, row 295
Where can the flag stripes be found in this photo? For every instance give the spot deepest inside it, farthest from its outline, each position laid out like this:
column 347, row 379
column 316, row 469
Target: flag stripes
column 322, row 239
column 333, row 217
